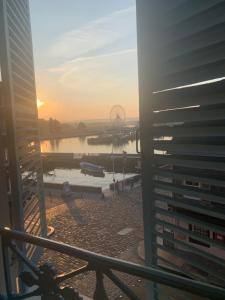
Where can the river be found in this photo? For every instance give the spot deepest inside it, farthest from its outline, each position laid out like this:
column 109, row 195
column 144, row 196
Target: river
column 80, row 145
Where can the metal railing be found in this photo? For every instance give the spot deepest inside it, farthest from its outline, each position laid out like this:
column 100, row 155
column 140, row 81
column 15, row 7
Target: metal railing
column 46, row 283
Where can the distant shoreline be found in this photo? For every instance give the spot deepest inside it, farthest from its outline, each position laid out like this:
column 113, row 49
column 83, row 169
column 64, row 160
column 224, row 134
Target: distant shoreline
column 67, row 136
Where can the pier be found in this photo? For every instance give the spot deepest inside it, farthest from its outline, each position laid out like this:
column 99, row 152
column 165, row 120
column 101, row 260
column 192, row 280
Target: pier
column 122, row 162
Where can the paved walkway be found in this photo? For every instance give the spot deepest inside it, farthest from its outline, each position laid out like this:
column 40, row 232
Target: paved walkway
column 93, row 223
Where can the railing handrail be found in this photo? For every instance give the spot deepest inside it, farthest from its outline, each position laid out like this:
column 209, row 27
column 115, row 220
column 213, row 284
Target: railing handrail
column 104, row 262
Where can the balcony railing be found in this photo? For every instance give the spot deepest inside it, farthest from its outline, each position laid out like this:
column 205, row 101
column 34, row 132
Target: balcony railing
column 45, row 283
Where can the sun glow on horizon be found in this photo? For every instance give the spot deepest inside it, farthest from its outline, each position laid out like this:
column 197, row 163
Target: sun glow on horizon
column 40, row 103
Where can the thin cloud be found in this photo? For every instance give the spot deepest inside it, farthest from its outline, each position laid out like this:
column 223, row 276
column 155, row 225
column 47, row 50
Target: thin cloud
column 101, row 72
column 69, row 64
column 95, row 35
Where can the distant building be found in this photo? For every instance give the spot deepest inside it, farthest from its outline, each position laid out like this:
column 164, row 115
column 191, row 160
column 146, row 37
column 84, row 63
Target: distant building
column 21, row 188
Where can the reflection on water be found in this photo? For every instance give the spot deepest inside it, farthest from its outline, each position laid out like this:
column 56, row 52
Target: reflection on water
column 80, row 145
column 82, row 139
column 54, row 144
column 74, row 176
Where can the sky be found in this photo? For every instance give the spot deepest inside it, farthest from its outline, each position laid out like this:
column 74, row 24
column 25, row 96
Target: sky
column 85, row 56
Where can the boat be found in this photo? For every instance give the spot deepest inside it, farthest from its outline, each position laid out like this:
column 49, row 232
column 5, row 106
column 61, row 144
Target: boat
column 90, row 168
column 91, row 173
column 51, row 173
column 107, row 139
column 104, row 139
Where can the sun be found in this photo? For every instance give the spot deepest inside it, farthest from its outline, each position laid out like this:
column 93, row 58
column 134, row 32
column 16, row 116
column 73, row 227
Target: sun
column 40, row 103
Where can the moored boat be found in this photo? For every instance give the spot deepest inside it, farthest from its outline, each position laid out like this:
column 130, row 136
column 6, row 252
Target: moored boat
column 91, row 168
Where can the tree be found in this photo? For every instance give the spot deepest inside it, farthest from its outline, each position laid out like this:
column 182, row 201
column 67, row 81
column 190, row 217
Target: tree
column 81, row 127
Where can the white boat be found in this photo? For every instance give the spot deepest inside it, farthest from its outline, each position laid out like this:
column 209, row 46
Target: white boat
column 51, row 173
column 91, row 168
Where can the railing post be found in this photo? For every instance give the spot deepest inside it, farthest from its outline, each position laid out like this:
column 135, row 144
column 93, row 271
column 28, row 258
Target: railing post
column 6, row 266
column 100, row 292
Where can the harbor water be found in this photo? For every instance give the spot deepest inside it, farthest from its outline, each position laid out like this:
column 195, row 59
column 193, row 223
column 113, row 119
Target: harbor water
column 80, row 145
column 75, row 177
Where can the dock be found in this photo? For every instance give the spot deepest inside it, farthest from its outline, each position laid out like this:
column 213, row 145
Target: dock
column 122, row 162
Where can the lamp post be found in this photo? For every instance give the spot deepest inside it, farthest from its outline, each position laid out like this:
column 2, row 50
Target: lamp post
column 113, row 167
column 124, row 164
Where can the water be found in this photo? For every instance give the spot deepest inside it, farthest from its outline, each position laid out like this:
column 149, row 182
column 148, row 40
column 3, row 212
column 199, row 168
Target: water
column 80, row 145
column 74, row 176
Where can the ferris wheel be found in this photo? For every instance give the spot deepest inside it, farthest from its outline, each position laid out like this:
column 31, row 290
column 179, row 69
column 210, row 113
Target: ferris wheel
column 117, row 115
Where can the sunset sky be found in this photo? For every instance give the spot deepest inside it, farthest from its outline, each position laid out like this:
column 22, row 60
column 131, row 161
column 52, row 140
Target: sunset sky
column 85, row 57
